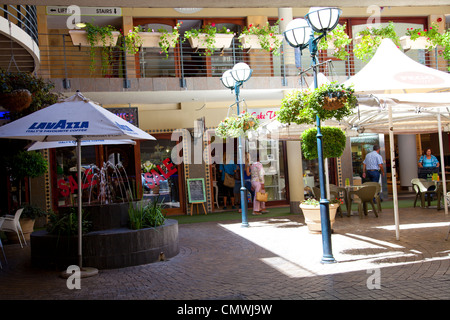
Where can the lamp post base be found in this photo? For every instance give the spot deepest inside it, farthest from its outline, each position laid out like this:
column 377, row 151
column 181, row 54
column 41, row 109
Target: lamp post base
column 328, row 260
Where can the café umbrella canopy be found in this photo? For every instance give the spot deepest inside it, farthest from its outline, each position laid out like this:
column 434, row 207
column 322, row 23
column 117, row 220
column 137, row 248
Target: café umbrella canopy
column 38, row 145
column 75, row 118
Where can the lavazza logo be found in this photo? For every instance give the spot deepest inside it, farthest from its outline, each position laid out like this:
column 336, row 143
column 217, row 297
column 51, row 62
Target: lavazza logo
column 57, row 127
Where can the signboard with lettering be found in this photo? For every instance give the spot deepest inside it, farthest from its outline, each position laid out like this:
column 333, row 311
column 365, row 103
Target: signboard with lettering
column 196, row 190
column 85, row 11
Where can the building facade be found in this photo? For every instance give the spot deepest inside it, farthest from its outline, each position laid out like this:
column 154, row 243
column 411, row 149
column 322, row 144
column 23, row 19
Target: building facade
column 179, row 98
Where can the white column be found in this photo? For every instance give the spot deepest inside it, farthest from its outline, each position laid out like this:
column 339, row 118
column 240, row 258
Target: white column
column 407, row 156
column 296, row 187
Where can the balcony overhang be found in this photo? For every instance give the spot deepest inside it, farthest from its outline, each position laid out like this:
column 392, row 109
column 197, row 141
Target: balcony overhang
column 19, row 52
column 235, row 3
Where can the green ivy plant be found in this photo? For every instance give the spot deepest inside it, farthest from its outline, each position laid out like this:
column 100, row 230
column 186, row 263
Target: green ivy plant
column 169, row 39
column 210, row 31
column 133, row 41
column 371, row 39
column 340, row 41
column 334, row 141
column 236, row 126
column 97, row 33
column 66, row 224
column 267, row 36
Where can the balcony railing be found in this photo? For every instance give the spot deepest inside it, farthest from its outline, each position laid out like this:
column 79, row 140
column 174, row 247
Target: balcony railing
column 24, row 17
column 61, row 59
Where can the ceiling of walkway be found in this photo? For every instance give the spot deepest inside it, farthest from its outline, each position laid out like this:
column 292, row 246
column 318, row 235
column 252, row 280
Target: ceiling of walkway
column 232, row 3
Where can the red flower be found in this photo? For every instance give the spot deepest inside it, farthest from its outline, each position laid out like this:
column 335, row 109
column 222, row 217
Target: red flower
column 213, row 24
column 251, row 25
column 418, row 33
column 439, row 19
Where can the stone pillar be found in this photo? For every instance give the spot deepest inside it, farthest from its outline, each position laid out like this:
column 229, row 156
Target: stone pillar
column 289, row 52
column 407, row 158
column 296, row 188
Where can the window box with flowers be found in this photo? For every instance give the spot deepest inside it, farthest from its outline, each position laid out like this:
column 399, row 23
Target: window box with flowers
column 209, row 38
column 421, row 39
column 236, row 126
column 162, row 39
column 267, row 38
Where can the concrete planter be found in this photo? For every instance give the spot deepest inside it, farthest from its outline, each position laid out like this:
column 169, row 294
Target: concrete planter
column 106, row 249
column 419, row 43
column 222, row 41
column 152, row 39
column 312, row 216
column 251, row 41
column 79, row 38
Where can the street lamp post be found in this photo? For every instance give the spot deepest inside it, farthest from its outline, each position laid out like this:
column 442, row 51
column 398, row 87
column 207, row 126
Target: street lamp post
column 234, row 79
column 300, row 34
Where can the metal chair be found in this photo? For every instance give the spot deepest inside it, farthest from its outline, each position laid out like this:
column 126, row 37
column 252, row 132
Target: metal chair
column 365, row 196
column 12, row 223
column 421, row 187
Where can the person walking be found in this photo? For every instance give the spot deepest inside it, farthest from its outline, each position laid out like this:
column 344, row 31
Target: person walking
column 373, row 165
column 228, row 167
column 257, row 172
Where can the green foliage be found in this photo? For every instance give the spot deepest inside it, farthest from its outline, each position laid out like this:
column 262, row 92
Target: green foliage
column 26, row 164
column 103, row 34
column 210, row 32
column 340, row 40
column 267, row 36
column 149, row 215
column 32, row 212
column 66, row 224
column 132, row 41
column 236, row 126
column 434, row 37
column 371, row 39
column 302, row 107
column 39, row 88
column 333, row 142
column 169, row 39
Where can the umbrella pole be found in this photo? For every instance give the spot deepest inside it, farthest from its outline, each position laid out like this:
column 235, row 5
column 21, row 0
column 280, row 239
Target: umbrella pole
column 84, row 272
column 394, row 175
column 80, row 201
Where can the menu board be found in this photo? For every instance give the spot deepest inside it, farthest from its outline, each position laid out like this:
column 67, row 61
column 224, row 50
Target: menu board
column 196, row 190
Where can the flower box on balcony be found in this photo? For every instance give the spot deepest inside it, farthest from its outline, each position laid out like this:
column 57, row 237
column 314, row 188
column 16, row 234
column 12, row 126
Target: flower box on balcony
column 222, row 41
column 251, row 41
column 79, row 38
column 419, row 43
column 152, row 39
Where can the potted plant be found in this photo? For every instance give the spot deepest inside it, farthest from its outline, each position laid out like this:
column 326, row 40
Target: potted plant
column 267, row 38
column 161, row 38
column 337, row 41
column 330, row 100
column 27, row 220
column 96, row 36
column 236, row 126
column 209, row 38
column 311, row 212
column 368, row 40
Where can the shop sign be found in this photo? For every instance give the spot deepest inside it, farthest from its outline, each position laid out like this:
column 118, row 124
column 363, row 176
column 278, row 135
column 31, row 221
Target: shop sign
column 264, row 114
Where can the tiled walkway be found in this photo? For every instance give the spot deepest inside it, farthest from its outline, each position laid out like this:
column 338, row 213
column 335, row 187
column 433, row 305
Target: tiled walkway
column 274, row 258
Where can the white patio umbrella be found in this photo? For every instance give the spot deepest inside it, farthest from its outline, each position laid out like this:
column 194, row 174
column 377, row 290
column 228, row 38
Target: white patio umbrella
column 401, row 81
column 73, row 118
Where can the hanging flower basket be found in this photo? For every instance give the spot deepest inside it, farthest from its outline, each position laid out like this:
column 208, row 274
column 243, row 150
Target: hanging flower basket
column 236, row 126
column 334, row 102
column 16, row 100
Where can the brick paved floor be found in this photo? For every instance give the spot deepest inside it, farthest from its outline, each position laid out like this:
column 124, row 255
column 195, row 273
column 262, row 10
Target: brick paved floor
column 274, row 258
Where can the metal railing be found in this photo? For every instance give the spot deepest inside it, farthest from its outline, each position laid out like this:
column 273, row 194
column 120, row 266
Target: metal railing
column 25, row 17
column 61, row 59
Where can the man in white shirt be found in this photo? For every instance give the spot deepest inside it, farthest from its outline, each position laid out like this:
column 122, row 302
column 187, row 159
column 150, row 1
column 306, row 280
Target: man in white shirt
column 373, row 165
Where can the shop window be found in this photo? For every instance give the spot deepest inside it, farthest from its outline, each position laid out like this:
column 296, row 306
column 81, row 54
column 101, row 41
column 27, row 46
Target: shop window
column 161, row 178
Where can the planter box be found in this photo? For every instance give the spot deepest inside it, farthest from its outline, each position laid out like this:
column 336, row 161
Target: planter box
column 222, row 41
column 152, row 39
column 251, row 41
column 79, row 38
column 419, row 43
column 312, row 216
